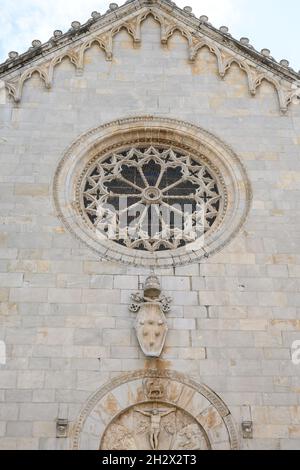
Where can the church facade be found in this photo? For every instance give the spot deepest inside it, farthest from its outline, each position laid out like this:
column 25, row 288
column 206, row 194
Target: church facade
column 150, row 235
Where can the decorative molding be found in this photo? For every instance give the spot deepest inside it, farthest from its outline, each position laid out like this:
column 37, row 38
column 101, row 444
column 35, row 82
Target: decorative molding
column 155, row 389
column 130, row 17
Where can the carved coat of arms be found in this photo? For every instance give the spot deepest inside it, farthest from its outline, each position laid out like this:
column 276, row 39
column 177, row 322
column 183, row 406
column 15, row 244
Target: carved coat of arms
column 151, row 324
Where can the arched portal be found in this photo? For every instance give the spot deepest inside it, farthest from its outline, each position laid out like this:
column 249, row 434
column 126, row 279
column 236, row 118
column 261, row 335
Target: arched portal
column 155, row 410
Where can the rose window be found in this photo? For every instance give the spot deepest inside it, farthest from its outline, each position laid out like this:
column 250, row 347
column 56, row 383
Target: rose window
column 151, row 198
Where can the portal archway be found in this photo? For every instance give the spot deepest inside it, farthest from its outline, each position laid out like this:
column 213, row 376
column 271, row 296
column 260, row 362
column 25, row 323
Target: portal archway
column 155, row 410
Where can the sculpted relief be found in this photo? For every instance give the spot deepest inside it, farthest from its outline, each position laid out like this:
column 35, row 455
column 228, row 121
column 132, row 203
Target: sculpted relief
column 151, row 324
column 154, row 426
column 154, row 410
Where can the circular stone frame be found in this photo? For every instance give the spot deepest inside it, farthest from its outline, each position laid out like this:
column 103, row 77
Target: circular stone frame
column 152, row 130
column 175, row 390
column 215, row 174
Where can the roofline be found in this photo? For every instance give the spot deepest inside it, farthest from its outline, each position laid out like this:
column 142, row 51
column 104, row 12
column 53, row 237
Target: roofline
column 75, row 34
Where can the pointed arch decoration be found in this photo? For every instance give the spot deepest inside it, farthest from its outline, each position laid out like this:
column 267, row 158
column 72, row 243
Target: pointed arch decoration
column 132, row 23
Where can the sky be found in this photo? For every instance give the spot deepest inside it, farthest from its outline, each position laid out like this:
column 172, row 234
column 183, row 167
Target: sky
column 272, row 24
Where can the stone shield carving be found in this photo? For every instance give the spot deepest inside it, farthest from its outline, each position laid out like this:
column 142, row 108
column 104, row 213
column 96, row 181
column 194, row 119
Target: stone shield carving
column 154, row 410
column 151, row 329
column 151, row 325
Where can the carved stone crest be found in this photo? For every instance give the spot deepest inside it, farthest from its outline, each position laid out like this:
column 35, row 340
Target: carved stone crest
column 151, row 324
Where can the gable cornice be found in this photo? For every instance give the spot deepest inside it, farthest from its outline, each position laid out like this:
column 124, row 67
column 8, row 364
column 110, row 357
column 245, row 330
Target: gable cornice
column 74, row 43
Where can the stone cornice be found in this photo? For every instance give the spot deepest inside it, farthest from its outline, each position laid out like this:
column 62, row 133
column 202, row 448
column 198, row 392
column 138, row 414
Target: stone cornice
column 42, row 59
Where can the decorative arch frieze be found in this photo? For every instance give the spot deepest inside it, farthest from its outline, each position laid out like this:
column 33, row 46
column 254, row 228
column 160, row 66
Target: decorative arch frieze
column 15, row 89
column 71, row 55
column 245, row 68
column 133, row 27
column 104, row 41
column 282, row 97
column 169, row 24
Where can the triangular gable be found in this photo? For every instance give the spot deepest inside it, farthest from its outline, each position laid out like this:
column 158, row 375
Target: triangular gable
column 101, row 30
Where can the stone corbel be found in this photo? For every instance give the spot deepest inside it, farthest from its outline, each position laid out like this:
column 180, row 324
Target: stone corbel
column 12, row 91
column 106, row 42
column 293, row 95
column 167, row 27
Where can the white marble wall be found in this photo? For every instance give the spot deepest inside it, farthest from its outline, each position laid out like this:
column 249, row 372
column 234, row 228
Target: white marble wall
column 64, row 314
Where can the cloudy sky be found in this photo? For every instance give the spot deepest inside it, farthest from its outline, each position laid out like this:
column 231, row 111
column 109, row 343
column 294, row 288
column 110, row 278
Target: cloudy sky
column 268, row 23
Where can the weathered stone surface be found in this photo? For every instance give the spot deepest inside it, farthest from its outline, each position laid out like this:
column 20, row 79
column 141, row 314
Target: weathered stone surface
column 64, row 312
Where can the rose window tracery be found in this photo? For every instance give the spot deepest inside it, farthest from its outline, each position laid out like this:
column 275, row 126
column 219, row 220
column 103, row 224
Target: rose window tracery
column 151, row 191
column 151, row 197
